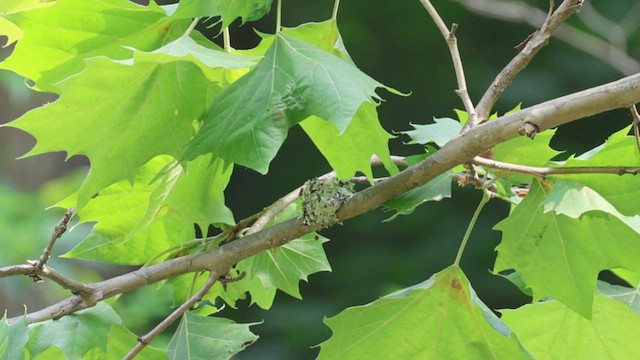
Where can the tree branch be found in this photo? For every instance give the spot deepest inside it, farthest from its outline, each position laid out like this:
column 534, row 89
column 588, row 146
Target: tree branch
column 522, row 12
column 462, row 149
column 545, row 171
column 452, row 43
column 143, row 341
column 532, row 46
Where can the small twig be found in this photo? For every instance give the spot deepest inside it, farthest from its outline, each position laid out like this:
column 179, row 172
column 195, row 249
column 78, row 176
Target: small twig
column 636, row 124
column 76, row 288
column 58, row 230
column 546, row 171
column 522, row 12
column 538, row 40
column 398, row 160
column 146, row 339
column 273, row 210
column 452, row 43
column 366, row 180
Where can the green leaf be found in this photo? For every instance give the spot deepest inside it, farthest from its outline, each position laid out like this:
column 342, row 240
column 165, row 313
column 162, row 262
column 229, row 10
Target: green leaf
column 559, row 256
column 435, row 190
column 441, row 318
column 248, row 10
column 550, row 330
column 119, row 342
column 623, row 191
column 136, row 222
column 573, row 199
column 283, row 267
column 630, row 296
column 56, row 39
column 76, row 333
column 440, row 132
column 210, row 338
column 139, row 107
column 210, row 61
column 12, row 338
column 351, row 151
column 524, row 151
column 248, row 121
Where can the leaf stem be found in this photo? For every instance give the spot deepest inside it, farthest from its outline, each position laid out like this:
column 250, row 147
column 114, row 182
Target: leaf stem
column 226, row 38
column 278, row 16
column 192, row 26
column 472, row 223
column 336, row 5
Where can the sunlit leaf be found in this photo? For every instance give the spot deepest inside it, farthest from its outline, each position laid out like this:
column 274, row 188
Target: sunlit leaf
column 140, row 107
column 212, row 338
column 56, row 39
column 550, row 330
column 560, row 256
column 441, row 318
column 136, row 222
column 351, row 151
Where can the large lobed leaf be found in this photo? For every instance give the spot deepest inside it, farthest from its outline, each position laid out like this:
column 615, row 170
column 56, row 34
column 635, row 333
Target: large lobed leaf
column 249, row 120
column 441, row 318
column 212, row 338
column 136, row 222
column 550, row 330
column 120, row 116
column 561, row 256
column 55, row 40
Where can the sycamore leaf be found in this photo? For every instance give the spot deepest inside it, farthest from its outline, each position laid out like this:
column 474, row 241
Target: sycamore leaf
column 213, row 338
column 622, row 192
column 76, row 333
column 573, row 199
column 630, row 296
column 524, row 151
column 440, row 132
column 441, row 318
column 248, row 10
column 248, row 121
column 136, row 222
column 351, row 151
column 210, row 61
column 283, row 267
column 119, row 342
column 559, row 256
column 12, row 338
column 435, row 190
column 140, row 105
column 550, row 330
column 56, row 39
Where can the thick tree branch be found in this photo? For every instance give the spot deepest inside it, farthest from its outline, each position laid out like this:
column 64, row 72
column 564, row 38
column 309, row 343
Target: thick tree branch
column 546, row 171
column 619, row 94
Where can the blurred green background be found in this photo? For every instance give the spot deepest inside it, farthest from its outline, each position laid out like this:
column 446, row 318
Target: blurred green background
column 396, row 43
